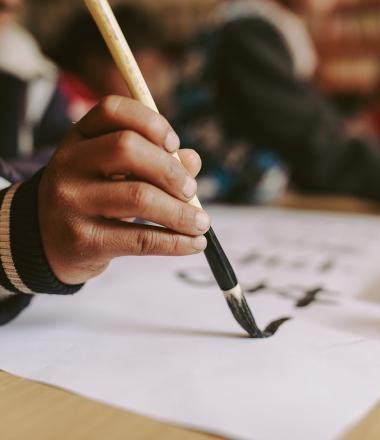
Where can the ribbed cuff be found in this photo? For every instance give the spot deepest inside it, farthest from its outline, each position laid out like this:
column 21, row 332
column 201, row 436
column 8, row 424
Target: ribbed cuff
column 23, row 259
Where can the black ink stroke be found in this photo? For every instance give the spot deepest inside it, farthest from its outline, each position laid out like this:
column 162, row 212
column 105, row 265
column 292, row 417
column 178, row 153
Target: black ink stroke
column 272, row 328
column 306, row 297
column 327, row 266
column 309, row 297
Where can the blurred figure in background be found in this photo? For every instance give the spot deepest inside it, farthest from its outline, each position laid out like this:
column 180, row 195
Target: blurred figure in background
column 247, row 100
column 33, row 112
column 250, row 104
column 88, row 71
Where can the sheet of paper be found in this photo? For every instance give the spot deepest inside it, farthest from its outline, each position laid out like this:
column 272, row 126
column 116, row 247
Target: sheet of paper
column 154, row 335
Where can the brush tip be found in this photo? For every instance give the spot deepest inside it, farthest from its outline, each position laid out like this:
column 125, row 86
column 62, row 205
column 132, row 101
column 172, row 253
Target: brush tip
column 241, row 311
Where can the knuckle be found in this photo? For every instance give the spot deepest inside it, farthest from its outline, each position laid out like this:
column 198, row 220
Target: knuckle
column 175, row 245
column 181, row 220
column 77, row 235
column 81, row 236
column 175, row 174
column 108, row 106
column 140, row 197
column 126, row 140
column 146, row 243
column 65, row 195
column 157, row 125
column 170, row 244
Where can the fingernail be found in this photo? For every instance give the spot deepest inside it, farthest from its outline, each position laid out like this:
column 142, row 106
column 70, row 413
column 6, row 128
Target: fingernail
column 200, row 243
column 190, row 187
column 202, row 221
column 172, row 142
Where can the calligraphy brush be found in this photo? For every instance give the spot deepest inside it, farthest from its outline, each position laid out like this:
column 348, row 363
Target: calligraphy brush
column 124, row 59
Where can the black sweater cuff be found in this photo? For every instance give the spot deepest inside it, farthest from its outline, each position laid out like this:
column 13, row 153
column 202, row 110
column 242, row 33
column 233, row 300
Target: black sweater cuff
column 33, row 274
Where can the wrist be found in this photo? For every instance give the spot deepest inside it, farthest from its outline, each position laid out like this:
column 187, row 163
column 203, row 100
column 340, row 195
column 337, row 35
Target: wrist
column 24, row 264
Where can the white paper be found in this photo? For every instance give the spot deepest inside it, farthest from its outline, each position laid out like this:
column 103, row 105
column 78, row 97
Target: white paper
column 141, row 338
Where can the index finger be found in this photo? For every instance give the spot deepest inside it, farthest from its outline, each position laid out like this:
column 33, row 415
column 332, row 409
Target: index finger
column 116, row 113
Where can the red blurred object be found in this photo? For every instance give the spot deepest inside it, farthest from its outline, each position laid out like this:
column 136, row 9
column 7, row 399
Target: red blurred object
column 79, row 96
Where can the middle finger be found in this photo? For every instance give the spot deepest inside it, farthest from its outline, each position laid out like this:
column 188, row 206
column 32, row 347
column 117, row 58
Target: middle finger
column 129, row 153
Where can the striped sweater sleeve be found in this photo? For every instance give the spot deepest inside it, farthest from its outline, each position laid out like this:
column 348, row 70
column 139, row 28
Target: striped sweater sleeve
column 24, row 269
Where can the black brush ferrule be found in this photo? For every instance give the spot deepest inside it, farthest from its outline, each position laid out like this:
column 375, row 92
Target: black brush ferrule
column 219, row 264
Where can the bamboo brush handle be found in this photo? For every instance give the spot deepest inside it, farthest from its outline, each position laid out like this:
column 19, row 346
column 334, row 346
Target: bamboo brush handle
column 124, row 58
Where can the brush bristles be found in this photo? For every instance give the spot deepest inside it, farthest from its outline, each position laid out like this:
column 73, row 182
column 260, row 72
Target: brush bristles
column 241, row 311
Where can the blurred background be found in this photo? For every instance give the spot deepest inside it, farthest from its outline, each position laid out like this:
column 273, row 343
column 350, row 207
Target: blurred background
column 308, row 113
column 347, row 35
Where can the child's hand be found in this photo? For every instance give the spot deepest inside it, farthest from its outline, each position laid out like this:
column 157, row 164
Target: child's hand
column 80, row 204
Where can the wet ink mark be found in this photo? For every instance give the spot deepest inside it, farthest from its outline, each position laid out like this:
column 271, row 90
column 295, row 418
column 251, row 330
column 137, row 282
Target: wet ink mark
column 255, row 289
column 327, row 266
column 340, row 248
column 272, row 328
column 250, row 258
column 192, row 280
column 310, row 297
column 273, row 261
column 298, row 264
column 270, row 261
column 302, row 296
